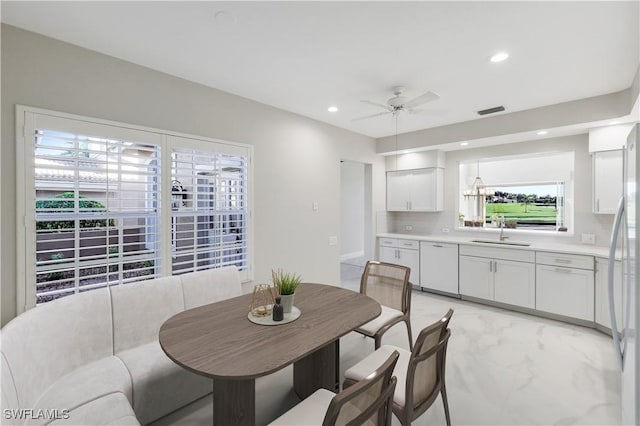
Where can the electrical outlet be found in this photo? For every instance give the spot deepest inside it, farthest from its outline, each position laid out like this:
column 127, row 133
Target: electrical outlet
column 588, row 239
column 408, row 228
column 333, row 241
column 445, row 230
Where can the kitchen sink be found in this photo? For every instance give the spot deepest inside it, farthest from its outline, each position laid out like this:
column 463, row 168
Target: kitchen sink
column 503, row 243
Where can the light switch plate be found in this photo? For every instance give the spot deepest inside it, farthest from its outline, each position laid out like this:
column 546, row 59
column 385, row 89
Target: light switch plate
column 408, row 228
column 588, row 239
column 333, row 241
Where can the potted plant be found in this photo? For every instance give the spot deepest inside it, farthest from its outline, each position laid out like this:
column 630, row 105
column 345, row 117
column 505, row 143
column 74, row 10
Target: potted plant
column 285, row 284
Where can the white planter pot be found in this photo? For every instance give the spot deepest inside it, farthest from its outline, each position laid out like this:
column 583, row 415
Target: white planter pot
column 287, row 302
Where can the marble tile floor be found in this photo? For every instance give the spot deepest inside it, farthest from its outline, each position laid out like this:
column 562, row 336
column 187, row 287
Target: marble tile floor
column 503, row 368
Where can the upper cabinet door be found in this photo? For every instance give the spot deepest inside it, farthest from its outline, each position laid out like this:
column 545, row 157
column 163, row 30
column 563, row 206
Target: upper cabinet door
column 415, row 190
column 423, row 190
column 607, row 181
column 398, row 193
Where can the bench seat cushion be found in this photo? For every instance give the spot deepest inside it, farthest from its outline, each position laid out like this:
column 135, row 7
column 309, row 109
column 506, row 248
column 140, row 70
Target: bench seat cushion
column 85, row 384
column 159, row 385
column 213, row 285
column 112, row 409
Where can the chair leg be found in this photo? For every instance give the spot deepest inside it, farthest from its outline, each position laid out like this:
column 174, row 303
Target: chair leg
column 443, row 393
column 408, row 322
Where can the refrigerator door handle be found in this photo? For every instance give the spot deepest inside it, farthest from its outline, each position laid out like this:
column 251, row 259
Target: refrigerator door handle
column 612, row 259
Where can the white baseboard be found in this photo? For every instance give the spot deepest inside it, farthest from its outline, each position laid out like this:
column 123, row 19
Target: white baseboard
column 349, row 256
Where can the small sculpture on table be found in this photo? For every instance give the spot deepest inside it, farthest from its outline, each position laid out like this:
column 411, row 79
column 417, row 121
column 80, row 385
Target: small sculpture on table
column 261, row 301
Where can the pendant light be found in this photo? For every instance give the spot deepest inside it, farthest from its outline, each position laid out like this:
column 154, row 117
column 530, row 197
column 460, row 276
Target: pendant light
column 478, row 191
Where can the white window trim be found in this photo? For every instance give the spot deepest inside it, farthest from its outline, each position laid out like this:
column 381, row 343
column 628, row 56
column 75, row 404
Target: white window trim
column 25, row 296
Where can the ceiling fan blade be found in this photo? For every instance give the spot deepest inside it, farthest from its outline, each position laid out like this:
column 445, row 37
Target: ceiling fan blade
column 371, row 116
column 378, row 105
column 428, row 111
column 422, row 99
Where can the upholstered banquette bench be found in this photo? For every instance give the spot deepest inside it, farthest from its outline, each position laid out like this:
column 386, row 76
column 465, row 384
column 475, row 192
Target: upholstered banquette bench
column 94, row 358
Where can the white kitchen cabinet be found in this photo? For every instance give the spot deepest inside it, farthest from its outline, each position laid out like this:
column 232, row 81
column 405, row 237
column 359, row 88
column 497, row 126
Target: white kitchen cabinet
column 565, row 285
column 602, row 292
column 498, row 274
column 415, row 190
column 401, row 252
column 514, row 283
column 607, row 181
column 439, row 266
column 476, row 277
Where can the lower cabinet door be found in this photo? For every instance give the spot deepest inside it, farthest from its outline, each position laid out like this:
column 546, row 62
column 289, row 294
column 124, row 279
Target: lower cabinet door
column 476, row 277
column 565, row 291
column 515, row 283
column 388, row 254
column 411, row 258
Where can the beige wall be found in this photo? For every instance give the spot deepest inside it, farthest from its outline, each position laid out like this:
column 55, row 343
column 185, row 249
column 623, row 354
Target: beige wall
column 296, row 159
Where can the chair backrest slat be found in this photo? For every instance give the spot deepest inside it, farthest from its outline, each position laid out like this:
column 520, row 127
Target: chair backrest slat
column 425, row 373
column 368, row 402
column 387, row 283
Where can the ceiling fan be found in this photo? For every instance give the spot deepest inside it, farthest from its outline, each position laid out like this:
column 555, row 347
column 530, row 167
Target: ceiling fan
column 399, row 103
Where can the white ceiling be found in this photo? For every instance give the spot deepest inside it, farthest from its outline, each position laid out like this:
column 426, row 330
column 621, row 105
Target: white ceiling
column 304, row 56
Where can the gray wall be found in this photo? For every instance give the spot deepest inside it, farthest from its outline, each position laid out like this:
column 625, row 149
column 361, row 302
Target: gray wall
column 584, row 220
column 296, row 159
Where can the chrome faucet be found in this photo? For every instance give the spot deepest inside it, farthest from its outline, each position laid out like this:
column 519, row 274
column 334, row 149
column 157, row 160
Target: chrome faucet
column 502, row 225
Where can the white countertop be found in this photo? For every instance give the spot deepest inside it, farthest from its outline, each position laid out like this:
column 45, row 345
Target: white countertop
column 584, row 249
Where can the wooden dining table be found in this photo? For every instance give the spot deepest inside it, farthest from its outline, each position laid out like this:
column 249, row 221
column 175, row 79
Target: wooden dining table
column 219, row 341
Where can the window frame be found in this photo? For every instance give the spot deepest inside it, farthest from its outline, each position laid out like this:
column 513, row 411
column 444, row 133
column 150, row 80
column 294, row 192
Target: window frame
column 567, row 181
column 25, row 229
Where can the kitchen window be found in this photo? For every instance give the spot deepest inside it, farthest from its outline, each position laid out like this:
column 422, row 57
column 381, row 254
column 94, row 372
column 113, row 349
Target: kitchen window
column 109, row 203
column 525, row 193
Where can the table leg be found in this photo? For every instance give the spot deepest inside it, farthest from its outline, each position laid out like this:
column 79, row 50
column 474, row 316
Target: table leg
column 320, row 369
column 234, row 402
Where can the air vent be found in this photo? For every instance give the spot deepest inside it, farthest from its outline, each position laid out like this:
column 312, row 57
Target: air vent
column 491, row 110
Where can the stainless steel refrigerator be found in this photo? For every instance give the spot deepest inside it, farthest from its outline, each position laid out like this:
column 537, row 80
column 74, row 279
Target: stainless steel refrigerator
column 626, row 342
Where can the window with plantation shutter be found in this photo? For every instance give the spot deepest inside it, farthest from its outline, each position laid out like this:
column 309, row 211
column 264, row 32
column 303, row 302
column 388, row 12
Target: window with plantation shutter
column 108, row 203
column 95, row 199
column 209, row 209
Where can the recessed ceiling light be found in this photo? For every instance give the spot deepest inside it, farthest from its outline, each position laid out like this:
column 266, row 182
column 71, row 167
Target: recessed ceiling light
column 464, row 143
column 499, row 57
column 542, row 132
column 332, row 108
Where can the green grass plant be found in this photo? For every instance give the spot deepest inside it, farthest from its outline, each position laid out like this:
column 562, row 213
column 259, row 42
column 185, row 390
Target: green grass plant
column 285, row 282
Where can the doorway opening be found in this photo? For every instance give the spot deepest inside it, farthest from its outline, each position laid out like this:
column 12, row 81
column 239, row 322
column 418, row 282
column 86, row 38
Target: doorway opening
column 356, row 221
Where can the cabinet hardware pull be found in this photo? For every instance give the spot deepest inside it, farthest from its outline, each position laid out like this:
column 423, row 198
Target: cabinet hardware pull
column 563, row 260
column 495, row 266
column 491, row 266
column 438, row 245
column 566, row 271
column 598, row 205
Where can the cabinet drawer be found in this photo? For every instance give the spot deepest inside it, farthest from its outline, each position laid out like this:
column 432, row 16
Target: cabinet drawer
column 439, row 245
column 566, row 260
column 409, row 244
column 518, row 255
column 388, row 242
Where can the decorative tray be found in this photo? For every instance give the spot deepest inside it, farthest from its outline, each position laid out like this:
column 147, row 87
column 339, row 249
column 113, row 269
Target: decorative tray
column 267, row 319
